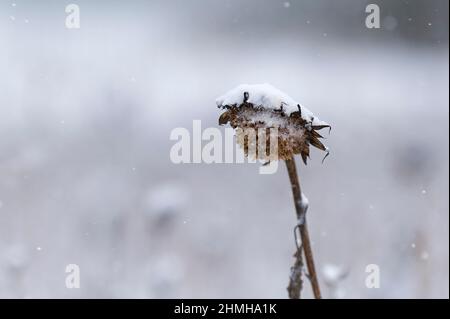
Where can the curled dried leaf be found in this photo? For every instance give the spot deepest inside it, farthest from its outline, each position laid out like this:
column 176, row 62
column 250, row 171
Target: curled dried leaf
column 224, row 118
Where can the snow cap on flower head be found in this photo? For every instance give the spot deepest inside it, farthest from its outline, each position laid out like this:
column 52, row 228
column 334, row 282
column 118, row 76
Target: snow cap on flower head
column 262, row 106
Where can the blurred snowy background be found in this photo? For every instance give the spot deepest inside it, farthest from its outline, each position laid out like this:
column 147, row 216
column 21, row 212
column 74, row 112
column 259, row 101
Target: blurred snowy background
column 85, row 175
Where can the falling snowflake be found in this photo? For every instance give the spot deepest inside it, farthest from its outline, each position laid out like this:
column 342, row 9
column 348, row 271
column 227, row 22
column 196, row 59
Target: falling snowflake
column 424, row 255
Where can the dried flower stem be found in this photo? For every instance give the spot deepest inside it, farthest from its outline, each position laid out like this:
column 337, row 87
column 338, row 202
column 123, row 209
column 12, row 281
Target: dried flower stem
column 301, row 208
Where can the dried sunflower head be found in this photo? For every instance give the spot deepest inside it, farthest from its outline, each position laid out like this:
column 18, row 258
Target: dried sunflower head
column 264, row 109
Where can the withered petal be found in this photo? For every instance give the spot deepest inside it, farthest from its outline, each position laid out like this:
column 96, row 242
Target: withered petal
column 319, row 127
column 315, row 142
column 315, row 134
column 326, row 155
column 304, row 158
column 224, row 118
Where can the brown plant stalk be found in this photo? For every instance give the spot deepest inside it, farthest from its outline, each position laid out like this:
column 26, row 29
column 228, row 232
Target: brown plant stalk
column 295, row 283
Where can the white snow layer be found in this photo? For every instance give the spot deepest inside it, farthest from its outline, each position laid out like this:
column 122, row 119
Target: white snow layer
column 269, row 97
